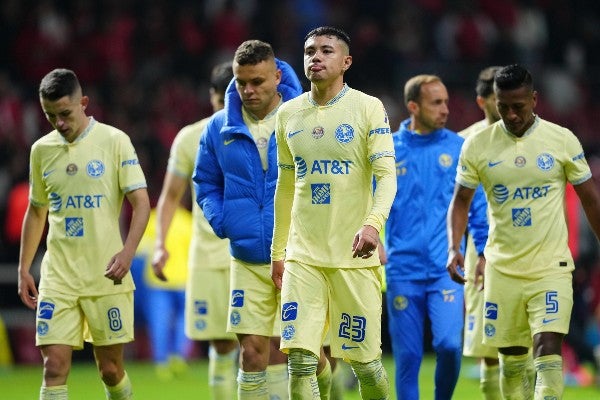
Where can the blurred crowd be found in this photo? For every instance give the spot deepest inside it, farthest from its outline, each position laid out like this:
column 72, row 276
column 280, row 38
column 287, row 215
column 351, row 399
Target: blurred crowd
column 145, row 64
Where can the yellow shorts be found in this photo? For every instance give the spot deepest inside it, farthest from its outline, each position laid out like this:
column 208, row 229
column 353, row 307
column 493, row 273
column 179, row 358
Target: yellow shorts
column 347, row 301
column 68, row 319
column 254, row 306
column 206, row 304
column 473, row 332
column 516, row 308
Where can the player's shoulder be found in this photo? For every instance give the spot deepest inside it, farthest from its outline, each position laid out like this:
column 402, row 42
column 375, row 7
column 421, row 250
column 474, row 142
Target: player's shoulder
column 474, row 128
column 552, row 128
column 295, row 103
column 191, row 132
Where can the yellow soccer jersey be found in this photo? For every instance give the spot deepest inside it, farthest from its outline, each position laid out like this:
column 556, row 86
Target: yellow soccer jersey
column 83, row 184
column 328, row 151
column 524, row 180
column 178, row 246
column 206, row 249
column 476, row 127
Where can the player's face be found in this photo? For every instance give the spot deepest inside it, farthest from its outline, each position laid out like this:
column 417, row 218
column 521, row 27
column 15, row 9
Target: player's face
column 431, row 112
column 516, row 108
column 257, row 86
column 67, row 115
column 489, row 108
column 325, row 58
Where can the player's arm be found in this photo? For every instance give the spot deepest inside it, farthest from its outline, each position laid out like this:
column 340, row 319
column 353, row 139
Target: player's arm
column 456, row 224
column 590, row 201
column 209, row 181
column 366, row 239
column 34, row 223
column 173, row 189
column 120, row 263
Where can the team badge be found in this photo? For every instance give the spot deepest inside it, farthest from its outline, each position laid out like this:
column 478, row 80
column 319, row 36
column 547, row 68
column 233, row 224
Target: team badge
column 46, row 309
column 289, row 311
column 445, row 160
column 235, row 318
column 261, row 143
column 545, row 161
column 400, row 303
column 490, row 330
column 288, row 332
column 520, row 161
column 42, row 328
column 95, row 168
column 491, row 310
column 200, row 324
column 71, row 169
column 318, row 132
column 344, row 133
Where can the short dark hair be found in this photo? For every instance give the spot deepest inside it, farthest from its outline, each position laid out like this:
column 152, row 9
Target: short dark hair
column 252, row 52
column 329, row 31
column 485, row 81
column 59, row 83
column 512, row 77
column 220, row 76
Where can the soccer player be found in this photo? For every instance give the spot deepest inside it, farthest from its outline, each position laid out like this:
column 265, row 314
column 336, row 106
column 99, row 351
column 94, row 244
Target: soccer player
column 235, row 176
column 207, row 286
column 524, row 163
column 79, row 174
column 418, row 286
column 331, row 142
column 473, row 328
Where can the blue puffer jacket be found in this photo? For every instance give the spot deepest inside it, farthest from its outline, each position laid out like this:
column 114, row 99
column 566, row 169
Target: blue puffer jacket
column 415, row 234
column 235, row 193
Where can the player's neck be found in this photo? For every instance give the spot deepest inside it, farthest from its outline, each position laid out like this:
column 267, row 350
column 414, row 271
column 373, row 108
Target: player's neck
column 322, row 93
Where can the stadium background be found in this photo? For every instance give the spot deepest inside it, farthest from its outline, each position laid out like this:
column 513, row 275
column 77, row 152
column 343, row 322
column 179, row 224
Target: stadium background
column 145, row 66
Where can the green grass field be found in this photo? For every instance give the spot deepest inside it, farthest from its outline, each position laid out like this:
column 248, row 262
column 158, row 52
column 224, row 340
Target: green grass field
column 22, row 383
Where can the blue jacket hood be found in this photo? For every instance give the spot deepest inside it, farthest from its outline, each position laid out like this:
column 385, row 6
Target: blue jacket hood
column 289, row 87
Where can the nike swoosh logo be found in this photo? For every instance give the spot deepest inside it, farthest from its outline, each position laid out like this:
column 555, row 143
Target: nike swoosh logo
column 546, row 321
column 290, row 134
column 346, row 347
column 448, row 291
column 45, row 174
column 228, row 142
column 493, row 164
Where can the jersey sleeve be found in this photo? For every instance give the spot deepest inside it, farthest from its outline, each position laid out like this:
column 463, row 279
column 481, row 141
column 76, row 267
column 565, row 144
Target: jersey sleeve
column 576, row 166
column 466, row 173
column 37, row 191
column 131, row 175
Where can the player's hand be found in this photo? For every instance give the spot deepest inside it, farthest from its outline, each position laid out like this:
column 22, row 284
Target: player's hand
column 27, row 289
column 456, row 266
column 118, row 266
column 159, row 260
column 480, row 272
column 365, row 242
column 277, row 268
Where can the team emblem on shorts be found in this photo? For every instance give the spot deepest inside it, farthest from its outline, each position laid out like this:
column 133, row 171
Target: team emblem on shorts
column 72, row 169
column 200, row 324
column 95, row 168
column 520, row 161
column 545, row 161
column 288, row 332
column 235, row 318
column 318, row 132
column 289, row 311
column 344, row 133
column 490, row 330
column 400, row 303
column 42, row 328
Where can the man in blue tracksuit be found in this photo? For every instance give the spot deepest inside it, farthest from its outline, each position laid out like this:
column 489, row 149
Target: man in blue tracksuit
column 235, row 178
column 418, row 286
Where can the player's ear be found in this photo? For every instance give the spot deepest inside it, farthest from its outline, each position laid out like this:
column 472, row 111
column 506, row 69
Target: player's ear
column 84, row 102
